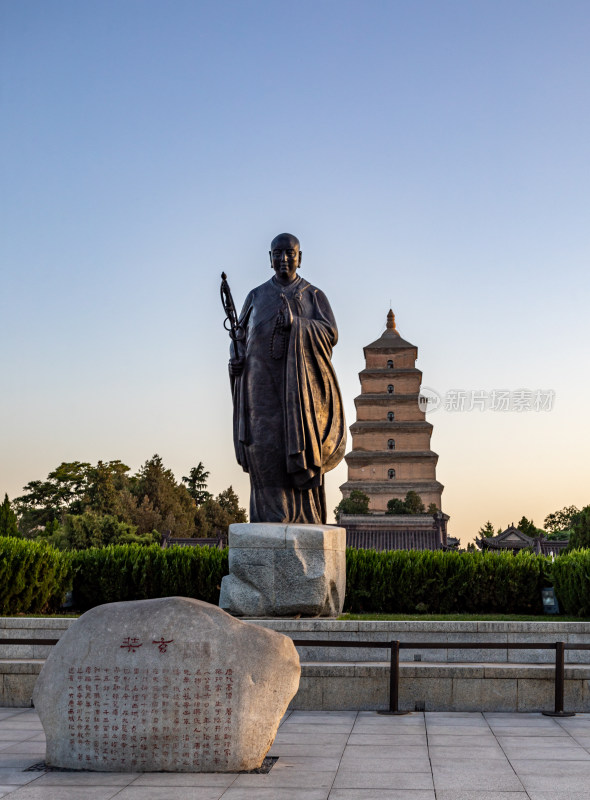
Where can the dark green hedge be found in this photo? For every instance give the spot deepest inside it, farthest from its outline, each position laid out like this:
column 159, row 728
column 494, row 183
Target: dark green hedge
column 571, row 578
column 34, row 576
column 399, row 581
column 133, row 572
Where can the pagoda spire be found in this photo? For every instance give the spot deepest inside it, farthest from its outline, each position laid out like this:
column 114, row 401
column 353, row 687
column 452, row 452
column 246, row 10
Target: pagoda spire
column 391, row 321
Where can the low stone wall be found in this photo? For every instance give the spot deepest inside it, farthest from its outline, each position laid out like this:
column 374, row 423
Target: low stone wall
column 440, row 687
column 363, row 686
column 354, row 678
column 414, row 631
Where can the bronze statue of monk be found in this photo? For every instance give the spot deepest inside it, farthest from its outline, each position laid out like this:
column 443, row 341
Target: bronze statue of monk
column 288, row 418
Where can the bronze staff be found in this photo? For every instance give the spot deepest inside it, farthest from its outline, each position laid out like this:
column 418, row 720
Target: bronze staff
column 235, row 330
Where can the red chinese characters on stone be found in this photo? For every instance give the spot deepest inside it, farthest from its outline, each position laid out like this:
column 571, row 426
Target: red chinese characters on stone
column 128, row 715
column 131, row 644
column 162, row 645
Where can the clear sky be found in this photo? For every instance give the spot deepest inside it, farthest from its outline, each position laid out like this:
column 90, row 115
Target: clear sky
column 435, row 155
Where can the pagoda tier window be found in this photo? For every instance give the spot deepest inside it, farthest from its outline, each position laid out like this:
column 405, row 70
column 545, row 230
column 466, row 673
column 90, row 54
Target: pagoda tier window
column 390, row 364
column 390, row 388
column 390, row 416
column 391, row 444
column 391, row 474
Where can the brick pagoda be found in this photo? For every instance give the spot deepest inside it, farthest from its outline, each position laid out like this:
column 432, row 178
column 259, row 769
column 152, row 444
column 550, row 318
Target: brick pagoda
column 391, row 439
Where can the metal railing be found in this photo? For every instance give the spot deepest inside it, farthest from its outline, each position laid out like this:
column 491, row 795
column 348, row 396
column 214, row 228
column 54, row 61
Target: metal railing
column 395, row 646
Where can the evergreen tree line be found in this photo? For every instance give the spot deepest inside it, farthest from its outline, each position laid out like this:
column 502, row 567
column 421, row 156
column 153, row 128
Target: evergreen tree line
column 80, row 505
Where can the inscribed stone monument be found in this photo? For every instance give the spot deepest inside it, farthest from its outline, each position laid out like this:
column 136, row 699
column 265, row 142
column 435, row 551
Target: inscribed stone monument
column 171, row 684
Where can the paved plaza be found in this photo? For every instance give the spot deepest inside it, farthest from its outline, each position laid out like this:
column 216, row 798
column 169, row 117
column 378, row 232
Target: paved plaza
column 344, row 756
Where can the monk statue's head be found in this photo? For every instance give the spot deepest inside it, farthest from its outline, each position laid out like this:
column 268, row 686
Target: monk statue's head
column 285, row 256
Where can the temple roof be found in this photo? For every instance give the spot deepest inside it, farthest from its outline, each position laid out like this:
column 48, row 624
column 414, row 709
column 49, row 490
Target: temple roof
column 390, row 338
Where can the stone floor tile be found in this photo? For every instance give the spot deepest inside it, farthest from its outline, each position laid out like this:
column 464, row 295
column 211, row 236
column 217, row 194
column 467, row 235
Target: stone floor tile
column 287, row 737
column 315, row 729
column 583, row 741
column 33, row 792
column 384, row 751
column 314, row 750
column 4, row 743
column 381, row 794
column 389, row 739
column 8, row 732
column 85, row 778
column 12, row 761
column 471, row 776
column 193, row 779
column 24, row 748
column 475, row 721
column 552, row 775
column 10, row 736
column 557, row 795
column 314, row 763
column 441, row 753
column 453, row 714
column 169, row 793
column 380, row 780
column 385, row 766
column 450, row 740
column 562, row 750
column 329, row 716
column 286, row 778
column 282, row 793
column 18, row 778
column 456, row 730
column 403, row 721
column 30, row 723
column 528, row 732
column 453, row 794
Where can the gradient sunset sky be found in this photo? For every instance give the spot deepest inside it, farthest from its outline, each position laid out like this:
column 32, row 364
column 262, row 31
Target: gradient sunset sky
column 432, row 156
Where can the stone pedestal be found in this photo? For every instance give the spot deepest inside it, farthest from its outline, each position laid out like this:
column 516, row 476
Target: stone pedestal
column 278, row 570
column 166, row 685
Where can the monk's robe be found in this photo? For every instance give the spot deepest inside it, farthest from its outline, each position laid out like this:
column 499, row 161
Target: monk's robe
column 289, row 424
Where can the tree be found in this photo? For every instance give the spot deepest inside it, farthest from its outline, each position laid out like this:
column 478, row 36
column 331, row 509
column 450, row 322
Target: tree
column 230, row 503
column 356, row 503
column 215, row 516
column 560, row 520
column 527, row 527
column 196, row 483
column 411, row 505
column 155, row 490
column 80, row 531
column 8, row 521
column 432, row 508
column 396, row 506
column 486, row 531
column 105, row 482
column 580, row 535
column 44, row 501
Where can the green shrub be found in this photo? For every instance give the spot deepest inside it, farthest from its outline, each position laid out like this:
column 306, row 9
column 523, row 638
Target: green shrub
column 571, row 579
column 34, row 576
column 398, row 581
column 135, row 572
